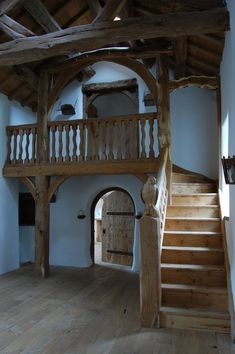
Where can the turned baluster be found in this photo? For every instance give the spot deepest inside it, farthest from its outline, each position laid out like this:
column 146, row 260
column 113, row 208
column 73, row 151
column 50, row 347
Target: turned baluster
column 119, row 138
column 135, row 139
column 21, row 133
column 27, row 132
column 127, row 143
column 60, row 157
column 111, row 154
column 81, row 145
column 33, row 132
column 96, row 137
column 9, row 134
column 151, row 138
column 104, row 156
column 67, row 128
column 143, row 152
column 53, row 131
column 15, row 133
column 74, row 157
column 89, row 129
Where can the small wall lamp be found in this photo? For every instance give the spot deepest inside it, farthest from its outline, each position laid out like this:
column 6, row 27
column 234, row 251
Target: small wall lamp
column 81, row 214
column 229, row 169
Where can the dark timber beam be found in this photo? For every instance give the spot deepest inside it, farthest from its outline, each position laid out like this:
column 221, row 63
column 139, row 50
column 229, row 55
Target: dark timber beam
column 94, row 6
column 7, row 5
column 8, row 24
column 39, row 12
column 91, row 37
column 180, row 57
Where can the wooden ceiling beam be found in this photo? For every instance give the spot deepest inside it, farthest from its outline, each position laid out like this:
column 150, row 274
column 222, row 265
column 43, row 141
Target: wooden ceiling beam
column 41, row 15
column 14, row 29
column 209, row 82
column 91, row 37
column 94, row 6
column 180, row 48
column 115, row 52
column 110, row 10
column 26, row 75
column 7, row 5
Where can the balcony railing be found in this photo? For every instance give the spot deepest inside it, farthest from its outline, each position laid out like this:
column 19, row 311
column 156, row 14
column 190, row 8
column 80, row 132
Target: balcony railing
column 132, row 137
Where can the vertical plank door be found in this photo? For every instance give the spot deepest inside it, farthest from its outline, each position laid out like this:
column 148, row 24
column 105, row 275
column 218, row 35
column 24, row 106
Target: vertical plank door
column 118, row 222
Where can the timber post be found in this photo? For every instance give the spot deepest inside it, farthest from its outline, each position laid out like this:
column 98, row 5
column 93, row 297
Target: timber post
column 42, row 207
column 164, row 131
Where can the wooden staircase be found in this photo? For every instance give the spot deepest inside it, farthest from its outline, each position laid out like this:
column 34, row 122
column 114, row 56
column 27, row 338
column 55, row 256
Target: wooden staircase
column 194, row 289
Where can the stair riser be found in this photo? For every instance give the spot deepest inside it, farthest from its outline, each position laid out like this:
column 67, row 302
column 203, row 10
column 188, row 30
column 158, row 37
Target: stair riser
column 192, row 257
column 192, row 240
column 191, row 322
column 196, row 212
column 216, row 278
column 195, row 200
column 181, row 178
column 193, row 225
column 199, row 300
column 191, row 189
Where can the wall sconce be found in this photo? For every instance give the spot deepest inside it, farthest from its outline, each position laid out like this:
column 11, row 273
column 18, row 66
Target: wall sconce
column 229, row 169
column 81, row 214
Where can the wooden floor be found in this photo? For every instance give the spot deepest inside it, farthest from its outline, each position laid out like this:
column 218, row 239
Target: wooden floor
column 79, row 311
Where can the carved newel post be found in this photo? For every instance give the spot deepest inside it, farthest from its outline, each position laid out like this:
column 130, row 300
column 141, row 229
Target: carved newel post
column 150, row 282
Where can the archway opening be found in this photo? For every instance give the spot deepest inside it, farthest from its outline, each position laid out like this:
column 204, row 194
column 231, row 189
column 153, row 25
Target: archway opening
column 112, row 227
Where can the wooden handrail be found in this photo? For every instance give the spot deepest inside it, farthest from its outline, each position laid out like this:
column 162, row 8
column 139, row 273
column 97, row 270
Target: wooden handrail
column 154, row 195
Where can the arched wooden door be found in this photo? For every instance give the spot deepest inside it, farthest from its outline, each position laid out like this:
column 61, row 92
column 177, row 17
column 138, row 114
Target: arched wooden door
column 118, row 221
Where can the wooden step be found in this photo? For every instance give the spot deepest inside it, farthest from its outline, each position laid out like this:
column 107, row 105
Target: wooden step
column 191, row 296
column 172, row 317
column 188, row 178
column 192, row 188
column 211, row 211
column 197, row 199
column 192, row 255
column 192, row 274
column 193, row 239
column 192, row 224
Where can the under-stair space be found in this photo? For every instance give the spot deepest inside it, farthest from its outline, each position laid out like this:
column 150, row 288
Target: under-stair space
column 194, row 285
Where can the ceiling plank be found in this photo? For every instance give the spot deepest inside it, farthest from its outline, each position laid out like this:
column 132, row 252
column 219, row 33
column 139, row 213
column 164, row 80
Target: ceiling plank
column 26, row 75
column 92, row 36
column 11, row 27
column 110, row 10
column 180, row 56
column 40, row 13
column 7, row 5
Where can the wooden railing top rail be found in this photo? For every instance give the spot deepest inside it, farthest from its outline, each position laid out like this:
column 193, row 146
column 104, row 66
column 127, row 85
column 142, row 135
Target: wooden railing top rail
column 22, row 126
column 104, row 119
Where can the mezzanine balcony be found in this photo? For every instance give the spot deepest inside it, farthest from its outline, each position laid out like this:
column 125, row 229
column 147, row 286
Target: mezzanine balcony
column 113, row 145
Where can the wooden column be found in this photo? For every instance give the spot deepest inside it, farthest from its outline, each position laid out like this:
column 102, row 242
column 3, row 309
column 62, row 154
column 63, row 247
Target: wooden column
column 164, row 128
column 150, row 275
column 42, row 218
column 42, row 222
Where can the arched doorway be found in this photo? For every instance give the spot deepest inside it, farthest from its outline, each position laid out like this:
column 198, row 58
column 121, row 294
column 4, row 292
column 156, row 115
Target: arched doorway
column 112, row 227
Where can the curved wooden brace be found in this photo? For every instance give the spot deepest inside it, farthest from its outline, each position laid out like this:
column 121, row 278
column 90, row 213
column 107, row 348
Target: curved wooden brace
column 132, row 64
column 55, row 185
column 30, row 185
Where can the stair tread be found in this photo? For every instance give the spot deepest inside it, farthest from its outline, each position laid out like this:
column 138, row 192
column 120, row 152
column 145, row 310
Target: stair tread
column 193, row 194
column 190, row 233
column 213, row 206
column 186, row 248
column 201, row 233
column 186, row 218
column 195, row 288
column 195, row 312
column 201, row 267
column 194, row 183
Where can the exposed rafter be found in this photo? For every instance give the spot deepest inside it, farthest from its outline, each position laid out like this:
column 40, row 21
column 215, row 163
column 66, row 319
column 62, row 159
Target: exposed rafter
column 90, row 37
column 94, row 6
column 7, row 5
column 110, row 10
column 40, row 13
column 14, row 29
column 180, row 56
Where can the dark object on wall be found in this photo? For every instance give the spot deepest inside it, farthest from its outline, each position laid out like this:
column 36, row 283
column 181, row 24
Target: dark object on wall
column 67, row 109
column 81, row 214
column 26, row 210
column 229, row 169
